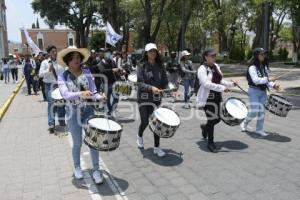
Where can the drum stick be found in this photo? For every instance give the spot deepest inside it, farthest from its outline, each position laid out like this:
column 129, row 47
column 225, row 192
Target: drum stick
column 241, row 88
column 279, row 76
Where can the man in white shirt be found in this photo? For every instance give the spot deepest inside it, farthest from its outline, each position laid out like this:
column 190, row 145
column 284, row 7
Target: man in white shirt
column 49, row 71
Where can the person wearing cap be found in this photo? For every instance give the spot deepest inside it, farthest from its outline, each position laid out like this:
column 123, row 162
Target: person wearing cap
column 49, row 71
column 209, row 95
column 172, row 68
column 259, row 82
column 77, row 87
column 188, row 76
column 151, row 78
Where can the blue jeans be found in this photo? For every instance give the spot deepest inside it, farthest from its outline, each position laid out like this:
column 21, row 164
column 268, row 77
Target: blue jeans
column 30, row 83
column 112, row 99
column 257, row 100
column 187, row 84
column 76, row 118
column 60, row 110
column 6, row 74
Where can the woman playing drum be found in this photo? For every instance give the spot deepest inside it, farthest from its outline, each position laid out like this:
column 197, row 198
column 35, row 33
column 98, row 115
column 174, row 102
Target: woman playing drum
column 209, row 95
column 152, row 78
column 258, row 81
column 77, row 84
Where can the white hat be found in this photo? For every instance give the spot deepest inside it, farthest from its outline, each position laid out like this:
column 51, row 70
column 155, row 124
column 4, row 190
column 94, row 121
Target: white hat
column 184, row 53
column 83, row 51
column 150, row 46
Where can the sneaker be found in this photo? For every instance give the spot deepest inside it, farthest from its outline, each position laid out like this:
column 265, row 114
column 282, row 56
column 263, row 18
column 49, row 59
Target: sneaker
column 78, row 173
column 159, row 152
column 140, row 142
column 51, row 129
column 186, row 106
column 262, row 133
column 212, row 147
column 97, row 176
column 243, row 126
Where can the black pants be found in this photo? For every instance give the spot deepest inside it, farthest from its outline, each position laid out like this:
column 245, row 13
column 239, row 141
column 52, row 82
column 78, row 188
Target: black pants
column 14, row 74
column 42, row 87
column 145, row 113
column 212, row 111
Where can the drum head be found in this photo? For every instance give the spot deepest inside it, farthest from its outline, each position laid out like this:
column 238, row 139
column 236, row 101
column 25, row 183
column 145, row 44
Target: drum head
column 132, row 77
column 236, row 108
column 56, row 94
column 167, row 116
column 104, row 124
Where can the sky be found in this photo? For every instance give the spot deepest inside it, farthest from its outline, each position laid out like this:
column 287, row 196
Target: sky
column 19, row 12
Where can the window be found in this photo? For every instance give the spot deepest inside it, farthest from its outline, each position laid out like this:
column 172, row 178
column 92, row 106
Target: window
column 70, row 39
column 40, row 43
column 71, row 42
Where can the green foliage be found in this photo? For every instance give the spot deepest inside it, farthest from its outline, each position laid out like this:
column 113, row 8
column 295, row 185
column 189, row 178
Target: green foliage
column 97, row 40
column 283, row 54
column 237, row 53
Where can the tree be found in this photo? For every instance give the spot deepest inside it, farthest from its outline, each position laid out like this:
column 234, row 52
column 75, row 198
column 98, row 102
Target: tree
column 37, row 23
column 33, row 26
column 97, row 39
column 78, row 15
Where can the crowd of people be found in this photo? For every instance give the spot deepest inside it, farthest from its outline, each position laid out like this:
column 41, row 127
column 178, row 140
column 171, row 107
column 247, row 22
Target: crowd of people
column 84, row 76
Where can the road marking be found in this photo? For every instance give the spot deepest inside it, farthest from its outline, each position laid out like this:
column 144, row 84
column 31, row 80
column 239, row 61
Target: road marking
column 112, row 183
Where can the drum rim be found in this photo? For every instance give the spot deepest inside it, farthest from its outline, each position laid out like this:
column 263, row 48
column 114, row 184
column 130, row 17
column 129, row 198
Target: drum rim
column 167, row 107
column 224, row 103
column 108, row 117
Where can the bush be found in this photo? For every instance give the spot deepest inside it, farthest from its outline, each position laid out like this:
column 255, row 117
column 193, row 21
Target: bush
column 237, row 53
column 283, row 54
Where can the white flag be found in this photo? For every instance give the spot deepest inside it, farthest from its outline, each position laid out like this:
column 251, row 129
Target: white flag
column 111, row 36
column 31, row 44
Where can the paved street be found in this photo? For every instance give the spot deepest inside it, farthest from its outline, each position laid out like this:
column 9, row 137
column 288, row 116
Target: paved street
column 36, row 165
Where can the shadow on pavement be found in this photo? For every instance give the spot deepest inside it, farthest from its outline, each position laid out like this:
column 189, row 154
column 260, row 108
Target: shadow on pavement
column 172, row 158
column 102, row 189
column 275, row 137
column 230, row 146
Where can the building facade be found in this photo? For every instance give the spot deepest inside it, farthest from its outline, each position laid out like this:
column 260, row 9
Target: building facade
column 61, row 38
column 3, row 31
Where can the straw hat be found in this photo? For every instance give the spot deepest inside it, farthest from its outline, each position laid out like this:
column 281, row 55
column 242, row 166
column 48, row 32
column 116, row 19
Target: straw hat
column 83, row 51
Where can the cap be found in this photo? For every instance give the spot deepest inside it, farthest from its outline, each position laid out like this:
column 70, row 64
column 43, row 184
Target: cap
column 184, row 53
column 150, row 46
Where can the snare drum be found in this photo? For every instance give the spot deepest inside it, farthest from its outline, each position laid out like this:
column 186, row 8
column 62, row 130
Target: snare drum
column 58, row 99
column 103, row 134
column 164, row 122
column 278, row 105
column 234, row 111
column 122, row 88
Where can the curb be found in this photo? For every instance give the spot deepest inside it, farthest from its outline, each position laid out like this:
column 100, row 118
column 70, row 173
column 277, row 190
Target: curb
column 8, row 101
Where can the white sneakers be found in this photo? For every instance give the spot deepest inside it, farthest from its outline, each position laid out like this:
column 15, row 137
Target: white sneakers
column 186, row 106
column 262, row 133
column 159, row 152
column 97, row 176
column 140, row 142
column 78, row 173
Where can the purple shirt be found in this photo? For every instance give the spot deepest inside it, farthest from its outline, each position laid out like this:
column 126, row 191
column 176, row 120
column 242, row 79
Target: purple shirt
column 68, row 94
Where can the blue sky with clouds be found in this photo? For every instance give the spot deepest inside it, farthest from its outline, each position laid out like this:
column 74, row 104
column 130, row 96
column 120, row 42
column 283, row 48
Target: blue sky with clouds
column 19, row 12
